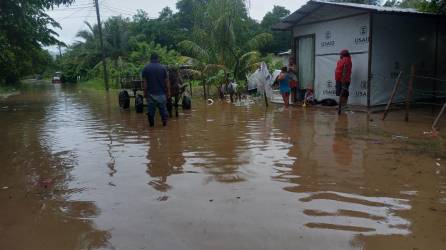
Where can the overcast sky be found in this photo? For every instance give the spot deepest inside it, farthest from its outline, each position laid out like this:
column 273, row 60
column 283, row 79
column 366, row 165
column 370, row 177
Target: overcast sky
column 72, row 18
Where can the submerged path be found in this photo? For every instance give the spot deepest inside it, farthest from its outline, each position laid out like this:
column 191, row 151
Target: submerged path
column 77, row 173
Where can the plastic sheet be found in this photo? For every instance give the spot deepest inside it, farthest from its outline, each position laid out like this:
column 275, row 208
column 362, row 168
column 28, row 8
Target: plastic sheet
column 262, row 79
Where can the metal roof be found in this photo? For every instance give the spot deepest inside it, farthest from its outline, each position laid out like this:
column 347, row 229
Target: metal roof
column 314, row 5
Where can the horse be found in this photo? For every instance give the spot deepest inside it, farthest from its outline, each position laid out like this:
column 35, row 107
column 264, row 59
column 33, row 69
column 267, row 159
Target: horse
column 177, row 89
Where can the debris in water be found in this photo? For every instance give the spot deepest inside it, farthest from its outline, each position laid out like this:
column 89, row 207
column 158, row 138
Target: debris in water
column 5, row 187
column 438, row 164
column 45, row 183
column 400, row 137
column 437, row 172
column 163, row 198
column 210, row 101
column 211, row 200
column 432, row 133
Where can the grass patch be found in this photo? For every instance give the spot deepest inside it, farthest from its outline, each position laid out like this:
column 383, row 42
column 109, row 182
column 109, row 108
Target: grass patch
column 7, row 90
column 424, row 145
column 433, row 146
column 97, row 84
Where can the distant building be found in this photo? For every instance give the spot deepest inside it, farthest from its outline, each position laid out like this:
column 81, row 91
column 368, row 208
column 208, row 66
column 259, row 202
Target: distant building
column 382, row 40
column 284, row 57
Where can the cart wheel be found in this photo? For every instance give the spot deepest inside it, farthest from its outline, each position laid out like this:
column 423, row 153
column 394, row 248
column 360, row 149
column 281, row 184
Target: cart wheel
column 124, row 99
column 139, row 104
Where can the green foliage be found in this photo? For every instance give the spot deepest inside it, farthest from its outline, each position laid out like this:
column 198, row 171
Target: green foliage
column 281, row 39
column 125, row 57
column 24, row 28
column 273, row 62
column 225, row 42
column 214, row 35
column 433, row 6
column 369, row 2
column 97, row 84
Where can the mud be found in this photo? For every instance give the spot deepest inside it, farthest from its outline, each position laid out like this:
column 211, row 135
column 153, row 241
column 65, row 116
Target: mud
column 78, row 173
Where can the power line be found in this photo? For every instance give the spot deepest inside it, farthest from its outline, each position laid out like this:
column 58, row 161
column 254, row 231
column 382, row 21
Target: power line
column 120, row 10
column 83, row 22
column 71, row 8
column 117, row 12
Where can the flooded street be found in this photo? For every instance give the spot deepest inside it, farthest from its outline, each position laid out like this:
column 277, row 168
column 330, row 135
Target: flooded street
column 78, row 173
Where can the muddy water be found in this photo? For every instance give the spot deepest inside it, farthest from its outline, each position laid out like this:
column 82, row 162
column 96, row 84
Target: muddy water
column 77, row 173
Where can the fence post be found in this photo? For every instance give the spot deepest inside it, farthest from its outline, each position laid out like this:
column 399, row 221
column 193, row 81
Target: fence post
column 395, row 88
column 438, row 117
column 204, row 89
column 409, row 91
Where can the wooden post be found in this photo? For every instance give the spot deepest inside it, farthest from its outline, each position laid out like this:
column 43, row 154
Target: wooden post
column 438, row 117
column 101, row 42
column 204, row 89
column 395, row 88
column 409, row 91
column 266, row 98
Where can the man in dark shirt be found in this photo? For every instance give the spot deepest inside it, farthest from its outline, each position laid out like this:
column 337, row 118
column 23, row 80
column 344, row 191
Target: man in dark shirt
column 156, row 89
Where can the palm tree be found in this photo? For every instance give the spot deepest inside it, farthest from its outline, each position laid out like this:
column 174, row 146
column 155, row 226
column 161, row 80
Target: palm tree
column 219, row 42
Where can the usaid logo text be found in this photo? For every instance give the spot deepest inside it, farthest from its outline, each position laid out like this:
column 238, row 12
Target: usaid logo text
column 363, row 30
column 328, row 43
column 327, row 35
column 363, row 36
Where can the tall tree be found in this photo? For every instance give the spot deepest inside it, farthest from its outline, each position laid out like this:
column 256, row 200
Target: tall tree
column 369, row 2
column 24, row 27
column 281, row 39
column 220, row 41
column 433, row 6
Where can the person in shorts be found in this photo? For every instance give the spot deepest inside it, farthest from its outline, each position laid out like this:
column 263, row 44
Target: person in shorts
column 284, row 85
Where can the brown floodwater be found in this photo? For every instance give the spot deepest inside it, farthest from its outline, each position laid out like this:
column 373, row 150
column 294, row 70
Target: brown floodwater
column 78, row 173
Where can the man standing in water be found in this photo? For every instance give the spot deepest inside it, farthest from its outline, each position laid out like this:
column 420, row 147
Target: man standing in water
column 156, row 89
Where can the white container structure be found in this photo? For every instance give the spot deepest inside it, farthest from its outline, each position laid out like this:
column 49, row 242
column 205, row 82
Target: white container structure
column 382, row 41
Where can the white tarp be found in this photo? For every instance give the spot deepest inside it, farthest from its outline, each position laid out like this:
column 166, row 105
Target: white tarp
column 330, row 38
column 261, row 79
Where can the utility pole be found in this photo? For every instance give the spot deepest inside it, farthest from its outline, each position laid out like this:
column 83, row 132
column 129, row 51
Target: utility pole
column 104, row 63
column 60, row 51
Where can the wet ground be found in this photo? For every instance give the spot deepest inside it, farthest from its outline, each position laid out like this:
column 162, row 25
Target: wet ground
column 77, row 173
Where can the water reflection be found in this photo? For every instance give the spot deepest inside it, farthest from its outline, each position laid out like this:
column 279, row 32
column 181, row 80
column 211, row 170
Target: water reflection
column 323, row 174
column 165, row 154
column 35, row 196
